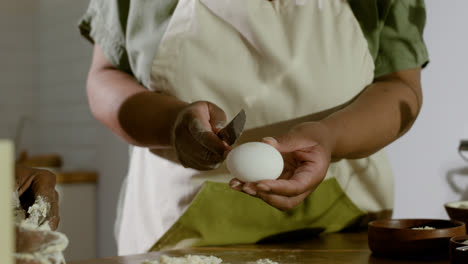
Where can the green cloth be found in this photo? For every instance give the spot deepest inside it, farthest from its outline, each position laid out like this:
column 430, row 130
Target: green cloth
column 129, row 32
column 220, row 216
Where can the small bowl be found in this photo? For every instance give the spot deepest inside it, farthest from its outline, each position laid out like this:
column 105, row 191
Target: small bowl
column 398, row 238
column 459, row 250
column 457, row 211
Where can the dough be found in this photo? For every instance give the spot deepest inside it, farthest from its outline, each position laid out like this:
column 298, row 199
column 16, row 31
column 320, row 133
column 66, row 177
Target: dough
column 49, row 253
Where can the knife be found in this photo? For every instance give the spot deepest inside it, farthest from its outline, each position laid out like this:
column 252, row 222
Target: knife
column 233, row 130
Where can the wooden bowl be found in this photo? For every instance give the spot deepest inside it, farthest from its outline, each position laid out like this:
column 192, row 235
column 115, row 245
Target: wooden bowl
column 398, row 238
column 457, row 211
column 458, row 252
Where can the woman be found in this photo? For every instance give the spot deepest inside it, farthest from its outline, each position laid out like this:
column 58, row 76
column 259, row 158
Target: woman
column 327, row 83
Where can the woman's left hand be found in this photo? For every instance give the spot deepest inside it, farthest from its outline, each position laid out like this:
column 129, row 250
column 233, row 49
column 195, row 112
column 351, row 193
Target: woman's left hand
column 306, row 151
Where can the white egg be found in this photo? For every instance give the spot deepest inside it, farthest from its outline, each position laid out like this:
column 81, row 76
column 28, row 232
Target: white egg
column 255, row 161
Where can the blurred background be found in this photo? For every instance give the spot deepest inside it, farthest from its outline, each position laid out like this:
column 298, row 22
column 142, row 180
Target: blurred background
column 43, row 107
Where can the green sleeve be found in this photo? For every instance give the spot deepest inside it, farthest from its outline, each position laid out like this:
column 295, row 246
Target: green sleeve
column 104, row 23
column 401, row 39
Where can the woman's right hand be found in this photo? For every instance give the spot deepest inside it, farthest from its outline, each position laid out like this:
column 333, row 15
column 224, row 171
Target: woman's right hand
column 32, row 183
column 194, row 136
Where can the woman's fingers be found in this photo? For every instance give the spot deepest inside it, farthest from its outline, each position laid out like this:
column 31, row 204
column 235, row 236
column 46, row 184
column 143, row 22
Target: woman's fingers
column 34, row 183
column 44, row 186
column 283, row 194
column 207, row 162
column 217, row 117
column 195, row 139
column 30, row 240
column 246, row 187
column 283, row 203
column 206, row 137
column 289, row 142
column 54, row 217
column 24, row 177
column 306, row 177
column 236, row 184
column 192, row 152
column 287, row 188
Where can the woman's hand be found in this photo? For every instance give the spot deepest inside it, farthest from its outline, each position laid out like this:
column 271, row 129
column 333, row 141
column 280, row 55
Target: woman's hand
column 30, row 241
column 306, row 150
column 32, row 183
column 155, row 120
column 34, row 246
column 194, row 136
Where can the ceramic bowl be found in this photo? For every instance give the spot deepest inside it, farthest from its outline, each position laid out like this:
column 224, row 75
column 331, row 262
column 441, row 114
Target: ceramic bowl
column 457, row 211
column 459, row 250
column 413, row 238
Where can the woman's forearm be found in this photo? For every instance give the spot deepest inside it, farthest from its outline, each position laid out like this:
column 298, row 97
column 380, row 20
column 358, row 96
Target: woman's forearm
column 383, row 112
column 138, row 116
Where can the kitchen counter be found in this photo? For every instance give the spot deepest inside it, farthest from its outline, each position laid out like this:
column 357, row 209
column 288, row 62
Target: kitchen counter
column 337, row 248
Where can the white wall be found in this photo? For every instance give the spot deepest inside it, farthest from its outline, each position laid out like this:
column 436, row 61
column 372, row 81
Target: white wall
column 18, row 91
column 424, row 157
column 64, row 123
column 42, row 77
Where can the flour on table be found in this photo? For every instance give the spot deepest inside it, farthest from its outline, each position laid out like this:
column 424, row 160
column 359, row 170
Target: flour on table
column 263, row 261
column 196, row 259
column 187, row 259
column 49, row 253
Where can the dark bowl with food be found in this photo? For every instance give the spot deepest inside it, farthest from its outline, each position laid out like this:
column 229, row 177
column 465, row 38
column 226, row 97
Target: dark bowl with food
column 413, row 238
column 457, row 211
column 459, row 250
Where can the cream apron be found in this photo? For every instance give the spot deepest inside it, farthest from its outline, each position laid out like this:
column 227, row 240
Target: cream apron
column 284, row 62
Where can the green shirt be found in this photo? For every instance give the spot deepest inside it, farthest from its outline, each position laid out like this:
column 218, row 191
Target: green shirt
column 129, row 32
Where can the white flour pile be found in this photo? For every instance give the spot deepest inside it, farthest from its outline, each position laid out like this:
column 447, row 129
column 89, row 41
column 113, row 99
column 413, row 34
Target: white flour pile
column 263, row 261
column 423, row 228
column 50, row 252
column 195, row 259
column 188, row 259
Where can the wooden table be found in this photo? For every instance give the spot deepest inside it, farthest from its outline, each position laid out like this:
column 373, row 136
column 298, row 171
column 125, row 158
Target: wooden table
column 337, row 248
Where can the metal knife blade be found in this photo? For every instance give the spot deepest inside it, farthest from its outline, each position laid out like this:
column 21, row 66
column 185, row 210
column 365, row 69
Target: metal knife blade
column 233, row 130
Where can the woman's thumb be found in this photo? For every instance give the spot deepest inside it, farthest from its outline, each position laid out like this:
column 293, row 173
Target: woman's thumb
column 217, row 116
column 282, row 144
column 287, row 143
